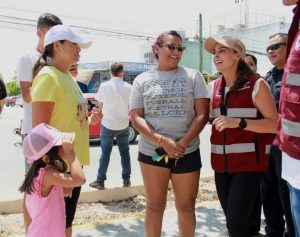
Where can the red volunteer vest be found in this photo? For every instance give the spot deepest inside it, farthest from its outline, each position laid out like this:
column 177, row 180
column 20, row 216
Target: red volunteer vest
column 236, row 150
column 288, row 138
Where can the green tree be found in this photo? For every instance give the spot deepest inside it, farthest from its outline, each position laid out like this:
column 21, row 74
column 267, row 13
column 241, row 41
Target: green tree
column 12, row 88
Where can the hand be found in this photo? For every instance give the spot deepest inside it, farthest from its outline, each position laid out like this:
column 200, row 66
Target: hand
column 68, row 144
column 174, row 149
column 180, row 150
column 68, row 192
column 96, row 116
column 224, row 122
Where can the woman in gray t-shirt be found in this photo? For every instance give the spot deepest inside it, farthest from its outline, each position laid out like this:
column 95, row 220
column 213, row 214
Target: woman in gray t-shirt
column 169, row 107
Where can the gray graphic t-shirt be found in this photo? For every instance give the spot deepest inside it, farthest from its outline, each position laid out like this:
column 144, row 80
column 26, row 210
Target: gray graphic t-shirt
column 168, row 102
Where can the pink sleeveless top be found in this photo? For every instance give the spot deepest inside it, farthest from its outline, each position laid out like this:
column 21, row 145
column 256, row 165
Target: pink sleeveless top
column 47, row 213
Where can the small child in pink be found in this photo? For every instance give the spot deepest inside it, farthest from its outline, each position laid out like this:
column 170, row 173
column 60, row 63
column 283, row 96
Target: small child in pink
column 44, row 147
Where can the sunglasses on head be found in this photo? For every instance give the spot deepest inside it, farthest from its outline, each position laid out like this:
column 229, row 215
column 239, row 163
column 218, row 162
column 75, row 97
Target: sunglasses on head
column 172, row 47
column 274, row 46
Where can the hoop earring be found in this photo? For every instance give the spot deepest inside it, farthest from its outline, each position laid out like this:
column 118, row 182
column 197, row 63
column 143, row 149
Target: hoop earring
column 48, row 60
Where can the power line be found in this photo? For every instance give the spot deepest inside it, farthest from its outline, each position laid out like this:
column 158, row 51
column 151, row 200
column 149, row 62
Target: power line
column 87, row 30
column 123, row 24
column 16, row 23
column 111, row 31
column 17, row 18
column 19, row 9
column 22, row 22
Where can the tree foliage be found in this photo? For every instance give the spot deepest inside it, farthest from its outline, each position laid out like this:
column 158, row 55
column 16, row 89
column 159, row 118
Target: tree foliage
column 12, row 88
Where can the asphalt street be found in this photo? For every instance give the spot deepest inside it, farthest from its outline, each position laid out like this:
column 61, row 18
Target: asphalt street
column 12, row 159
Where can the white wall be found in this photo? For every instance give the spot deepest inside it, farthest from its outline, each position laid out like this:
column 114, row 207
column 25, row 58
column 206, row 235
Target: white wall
column 256, row 40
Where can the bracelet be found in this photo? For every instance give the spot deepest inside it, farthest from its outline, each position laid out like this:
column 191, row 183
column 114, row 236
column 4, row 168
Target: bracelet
column 159, row 140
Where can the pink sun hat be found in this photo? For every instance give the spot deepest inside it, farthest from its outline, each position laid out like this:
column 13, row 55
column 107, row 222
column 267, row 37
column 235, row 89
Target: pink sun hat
column 40, row 140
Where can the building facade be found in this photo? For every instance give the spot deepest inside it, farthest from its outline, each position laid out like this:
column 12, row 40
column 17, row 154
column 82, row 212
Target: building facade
column 93, row 74
column 256, row 40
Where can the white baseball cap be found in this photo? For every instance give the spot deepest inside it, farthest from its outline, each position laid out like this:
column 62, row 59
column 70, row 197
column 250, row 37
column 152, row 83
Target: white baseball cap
column 64, row 32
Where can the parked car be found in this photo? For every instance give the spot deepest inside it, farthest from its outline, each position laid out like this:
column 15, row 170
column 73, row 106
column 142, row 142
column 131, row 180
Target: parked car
column 94, row 130
column 10, row 100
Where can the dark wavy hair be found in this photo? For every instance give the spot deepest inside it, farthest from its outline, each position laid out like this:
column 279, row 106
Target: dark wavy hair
column 55, row 161
column 243, row 72
column 253, row 58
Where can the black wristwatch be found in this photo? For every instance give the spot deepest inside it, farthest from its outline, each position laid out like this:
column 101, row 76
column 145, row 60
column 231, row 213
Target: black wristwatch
column 243, row 124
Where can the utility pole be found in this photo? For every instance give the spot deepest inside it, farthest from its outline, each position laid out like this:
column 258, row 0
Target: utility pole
column 200, row 44
column 246, row 12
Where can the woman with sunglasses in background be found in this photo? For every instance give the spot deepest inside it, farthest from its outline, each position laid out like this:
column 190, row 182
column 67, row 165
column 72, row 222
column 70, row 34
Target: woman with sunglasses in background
column 169, row 108
column 244, row 115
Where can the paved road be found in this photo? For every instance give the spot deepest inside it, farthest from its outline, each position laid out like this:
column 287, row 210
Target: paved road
column 12, row 160
column 210, row 222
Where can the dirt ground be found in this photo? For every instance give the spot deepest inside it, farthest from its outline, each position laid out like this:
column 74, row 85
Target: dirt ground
column 12, row 224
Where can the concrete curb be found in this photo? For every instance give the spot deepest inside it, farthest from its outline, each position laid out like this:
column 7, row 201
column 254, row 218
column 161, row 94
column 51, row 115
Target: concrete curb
column 106, row 195
column 111, row 195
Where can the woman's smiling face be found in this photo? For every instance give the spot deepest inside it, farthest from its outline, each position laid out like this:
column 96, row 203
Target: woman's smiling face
column 169, row 53
column 224, row 58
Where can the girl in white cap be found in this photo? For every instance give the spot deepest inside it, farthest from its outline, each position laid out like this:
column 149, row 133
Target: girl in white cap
column 44, row 148
column 244, row 116
column 58, row 101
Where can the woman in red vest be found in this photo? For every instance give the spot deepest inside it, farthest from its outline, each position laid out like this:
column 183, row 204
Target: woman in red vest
column 288, row 138
column 244, row 116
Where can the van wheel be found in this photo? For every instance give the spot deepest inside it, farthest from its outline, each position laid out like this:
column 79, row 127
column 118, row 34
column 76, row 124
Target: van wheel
column 132, row 134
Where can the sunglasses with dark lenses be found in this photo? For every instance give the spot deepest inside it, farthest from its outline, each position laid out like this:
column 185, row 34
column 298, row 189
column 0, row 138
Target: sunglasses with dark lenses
column 172, row 47
column 274, row 46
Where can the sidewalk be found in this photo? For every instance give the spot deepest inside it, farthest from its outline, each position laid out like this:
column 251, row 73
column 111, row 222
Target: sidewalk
column 210, row 222
column 209, row 217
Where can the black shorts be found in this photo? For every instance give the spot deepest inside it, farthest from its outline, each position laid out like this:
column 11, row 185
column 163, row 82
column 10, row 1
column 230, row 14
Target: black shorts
column 189, row 163
column 71, row 204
